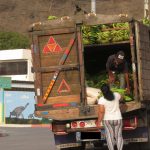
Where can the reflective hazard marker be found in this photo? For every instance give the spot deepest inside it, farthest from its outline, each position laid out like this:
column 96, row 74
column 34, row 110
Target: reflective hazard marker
column 64, row 87
column 52, row 46
column 51, row 85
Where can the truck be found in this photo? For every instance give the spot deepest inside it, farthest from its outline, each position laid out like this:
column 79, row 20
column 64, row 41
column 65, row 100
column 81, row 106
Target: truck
column 60, row 62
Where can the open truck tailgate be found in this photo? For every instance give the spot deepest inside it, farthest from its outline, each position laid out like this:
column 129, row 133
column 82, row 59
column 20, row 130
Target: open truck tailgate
column 58, row 70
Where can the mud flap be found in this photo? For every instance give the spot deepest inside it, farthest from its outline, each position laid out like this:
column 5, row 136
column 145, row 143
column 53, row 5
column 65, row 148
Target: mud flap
column 66, row 140
column 140, row 134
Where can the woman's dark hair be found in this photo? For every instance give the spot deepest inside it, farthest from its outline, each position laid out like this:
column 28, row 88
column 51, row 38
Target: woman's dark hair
column 108, row 94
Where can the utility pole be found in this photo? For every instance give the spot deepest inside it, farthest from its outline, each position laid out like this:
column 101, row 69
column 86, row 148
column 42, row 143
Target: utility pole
column 93, row 6
column 146, row 9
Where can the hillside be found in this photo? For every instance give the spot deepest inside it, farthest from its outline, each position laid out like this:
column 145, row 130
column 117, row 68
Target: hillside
column 17, row 15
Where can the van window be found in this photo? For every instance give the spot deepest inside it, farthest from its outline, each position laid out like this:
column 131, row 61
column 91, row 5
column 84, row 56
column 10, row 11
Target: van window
column 13, row 68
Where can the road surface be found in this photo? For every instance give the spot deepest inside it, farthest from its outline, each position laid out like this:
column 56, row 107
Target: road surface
column 26, row 139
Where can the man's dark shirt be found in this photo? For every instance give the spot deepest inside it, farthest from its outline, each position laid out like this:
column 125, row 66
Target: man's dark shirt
column 120, row 68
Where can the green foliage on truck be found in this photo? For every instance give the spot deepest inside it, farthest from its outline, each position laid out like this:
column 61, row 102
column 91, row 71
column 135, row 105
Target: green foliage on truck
column 109, row 33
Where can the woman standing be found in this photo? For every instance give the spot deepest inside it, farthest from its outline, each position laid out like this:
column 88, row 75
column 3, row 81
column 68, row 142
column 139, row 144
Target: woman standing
column 109, row 112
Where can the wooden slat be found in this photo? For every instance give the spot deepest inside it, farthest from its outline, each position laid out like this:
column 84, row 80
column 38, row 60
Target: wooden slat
column 64, row 99
column 58, row 55
column 71, row 76
column 61, row 39
column 53, row 60
column 57, row 31
column 143, row 53
column 68, row 114
column 82, row 71
column 60, row 67
column 36, row 64
column 107, row 44
column 134, row 63
column 133, row 106
column 51, row 24
column 74, row 89
column 86, row 19
column 74, row 113
column 110, row 29
column 146, row 94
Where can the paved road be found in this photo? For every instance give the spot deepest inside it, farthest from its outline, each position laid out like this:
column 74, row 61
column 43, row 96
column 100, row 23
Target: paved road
column 26, row 139
column 35, row 139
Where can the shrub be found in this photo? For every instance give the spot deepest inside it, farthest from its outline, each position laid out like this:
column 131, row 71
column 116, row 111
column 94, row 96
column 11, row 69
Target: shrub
column 13, row 40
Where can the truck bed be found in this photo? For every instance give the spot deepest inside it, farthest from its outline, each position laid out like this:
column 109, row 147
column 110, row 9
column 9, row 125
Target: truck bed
column 78, row 112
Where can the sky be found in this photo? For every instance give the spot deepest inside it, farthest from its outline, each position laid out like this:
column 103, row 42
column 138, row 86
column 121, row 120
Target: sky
column 15, row 99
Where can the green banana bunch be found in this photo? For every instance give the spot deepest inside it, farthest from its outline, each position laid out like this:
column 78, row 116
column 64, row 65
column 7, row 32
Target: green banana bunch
column 89, row 34
column 122, row 34
column 86, row 41
column 104, row 37
column 85, row 29
column 99, row 79
column 126, row 34
column 103, row 34
column 52, row 17
column 117, row 35
column 103, row 26
column 122, row 92
column 146, row 21
column 85, row 34
column 120, row 25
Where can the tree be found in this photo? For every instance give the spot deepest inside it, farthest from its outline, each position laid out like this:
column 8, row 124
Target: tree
column 13, row 40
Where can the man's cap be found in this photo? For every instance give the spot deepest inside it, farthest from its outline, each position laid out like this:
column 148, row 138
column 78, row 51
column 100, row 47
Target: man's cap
column 120, row 55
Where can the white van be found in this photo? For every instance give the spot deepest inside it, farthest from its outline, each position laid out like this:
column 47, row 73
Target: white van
column 16, row 63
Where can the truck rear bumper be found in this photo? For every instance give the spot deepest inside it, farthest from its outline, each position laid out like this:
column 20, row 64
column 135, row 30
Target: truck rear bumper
column 66, row 141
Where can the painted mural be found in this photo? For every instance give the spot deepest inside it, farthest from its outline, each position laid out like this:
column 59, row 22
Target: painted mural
column 18, row 105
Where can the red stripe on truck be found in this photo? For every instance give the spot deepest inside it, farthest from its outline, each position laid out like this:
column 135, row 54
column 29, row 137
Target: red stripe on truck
column 60, row 105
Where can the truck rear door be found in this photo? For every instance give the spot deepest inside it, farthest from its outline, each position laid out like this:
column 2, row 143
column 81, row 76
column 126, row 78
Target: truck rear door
column 143, row 59
column 57, row 64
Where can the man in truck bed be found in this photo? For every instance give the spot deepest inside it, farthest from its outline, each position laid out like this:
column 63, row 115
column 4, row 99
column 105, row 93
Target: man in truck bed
column 116, row 64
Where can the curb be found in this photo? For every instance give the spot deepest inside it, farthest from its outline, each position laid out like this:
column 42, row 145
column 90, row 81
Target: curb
column 26, row 125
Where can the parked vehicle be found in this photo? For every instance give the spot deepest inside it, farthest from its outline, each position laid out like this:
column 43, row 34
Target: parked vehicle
column 60, row 61
column 16, row 63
